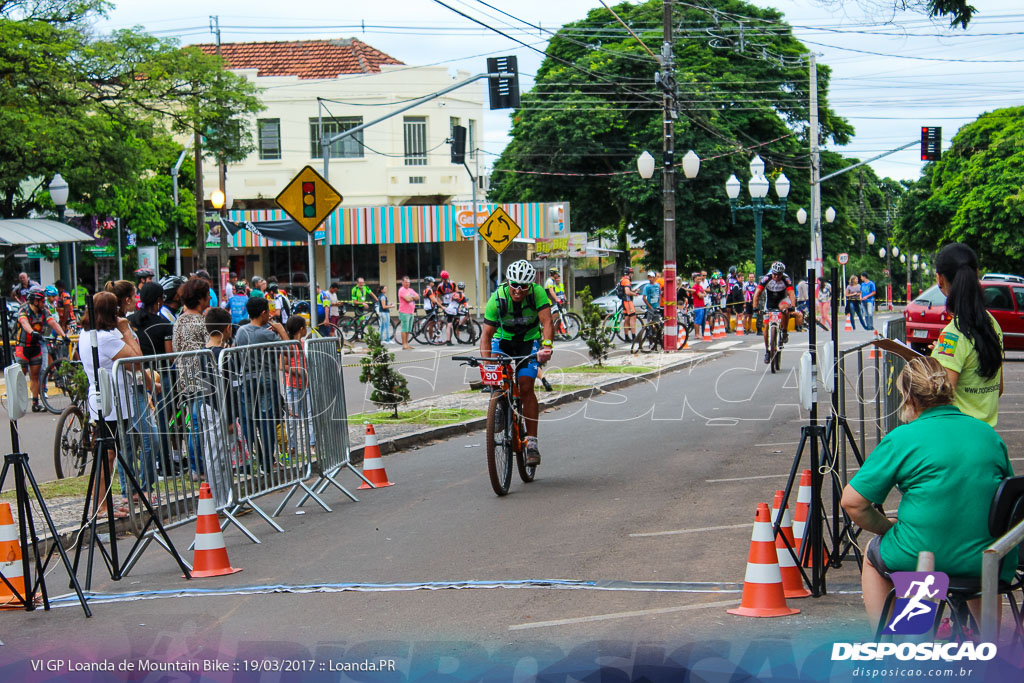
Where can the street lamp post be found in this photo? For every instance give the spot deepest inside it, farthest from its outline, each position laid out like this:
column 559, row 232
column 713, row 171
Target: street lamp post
column 758, row 187
column 691, row 167
column 59, row 194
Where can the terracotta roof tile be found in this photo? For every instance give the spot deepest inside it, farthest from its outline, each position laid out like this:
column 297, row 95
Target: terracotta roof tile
column 303, row 58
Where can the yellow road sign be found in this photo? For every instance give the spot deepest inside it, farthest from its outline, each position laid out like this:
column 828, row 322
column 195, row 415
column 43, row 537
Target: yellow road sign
column 499, row 230
column 309, row 199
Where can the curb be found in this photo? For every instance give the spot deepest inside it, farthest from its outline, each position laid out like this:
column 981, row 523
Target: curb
column 407, row 441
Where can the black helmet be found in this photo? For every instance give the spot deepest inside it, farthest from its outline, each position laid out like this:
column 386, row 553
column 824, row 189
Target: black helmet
column 778, row 268
column 732, row 270
column 36, row 292
column 143, row 272
column 171, row 283
column 629, row 270
column 461, row 285
column 428, row 279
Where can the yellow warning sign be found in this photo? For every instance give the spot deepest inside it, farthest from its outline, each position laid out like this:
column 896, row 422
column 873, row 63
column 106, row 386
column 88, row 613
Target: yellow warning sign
column 309, row 199
column 499, row 230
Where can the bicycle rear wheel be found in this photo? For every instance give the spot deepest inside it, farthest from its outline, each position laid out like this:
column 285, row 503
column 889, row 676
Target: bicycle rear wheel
column 638, row 341
column 465, row 332
column 653, row 338
column 54, row 386
column 573, row 326
column 500, row 450
column 71, row 444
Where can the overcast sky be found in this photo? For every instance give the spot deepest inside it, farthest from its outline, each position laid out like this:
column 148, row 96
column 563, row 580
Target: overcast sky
column 922, row 73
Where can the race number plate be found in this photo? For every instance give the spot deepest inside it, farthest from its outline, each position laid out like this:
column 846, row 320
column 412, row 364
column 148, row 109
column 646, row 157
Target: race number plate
column 490, row 375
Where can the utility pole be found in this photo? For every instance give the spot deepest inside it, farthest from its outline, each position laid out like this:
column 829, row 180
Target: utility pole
column 888, row 248
column 861, row 244
column 816, row 246
column 199, row 252
column 222, row 256
column 667, row 81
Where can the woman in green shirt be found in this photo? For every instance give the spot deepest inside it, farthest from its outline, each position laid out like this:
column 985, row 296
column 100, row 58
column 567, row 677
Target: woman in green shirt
column 970, row 347
column 947, row 466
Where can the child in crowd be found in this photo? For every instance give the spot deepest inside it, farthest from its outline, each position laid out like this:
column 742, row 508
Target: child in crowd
column 297, row 396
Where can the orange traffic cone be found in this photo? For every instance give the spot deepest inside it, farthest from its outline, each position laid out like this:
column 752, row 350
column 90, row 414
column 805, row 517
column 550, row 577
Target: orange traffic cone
column 210, row 557
column 792, row 581
column 739, row 326
column 849, row 323
column 707, row 331
column 10, row 561
column 763, row 595
column 803, row 507
column 719, row 331
column 874, row 351
column 373, row 463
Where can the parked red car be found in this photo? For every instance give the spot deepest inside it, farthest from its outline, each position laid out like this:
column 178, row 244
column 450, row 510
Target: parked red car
column 926, row 315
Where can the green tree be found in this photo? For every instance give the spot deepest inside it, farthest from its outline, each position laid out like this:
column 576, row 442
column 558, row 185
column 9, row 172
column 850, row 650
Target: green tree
column 594, row 109
column 390, row 388
column 973, row 194
column 598, row 344
column 101, row 111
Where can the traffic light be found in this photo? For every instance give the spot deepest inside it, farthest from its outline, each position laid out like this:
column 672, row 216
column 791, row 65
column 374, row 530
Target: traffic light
column 504, row 92
column 458, row 144
column 931, row 143
column 309, row 199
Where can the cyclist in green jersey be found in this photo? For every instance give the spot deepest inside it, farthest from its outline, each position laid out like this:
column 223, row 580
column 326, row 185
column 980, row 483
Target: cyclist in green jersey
column 361, row 294
column 517, row 322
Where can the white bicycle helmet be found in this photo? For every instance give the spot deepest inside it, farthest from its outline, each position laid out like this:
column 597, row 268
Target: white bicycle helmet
column 520, row 272
column 778, row 268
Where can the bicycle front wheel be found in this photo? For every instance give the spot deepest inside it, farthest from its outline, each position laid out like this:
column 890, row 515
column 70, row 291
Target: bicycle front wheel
column 773, row 348
column 500, row 449
column 70, row 447
column 573, row 326
column 54, row 386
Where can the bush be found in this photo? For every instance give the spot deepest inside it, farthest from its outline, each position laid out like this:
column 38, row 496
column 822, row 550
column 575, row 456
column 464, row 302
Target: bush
column 390, row 388
column 598, row 343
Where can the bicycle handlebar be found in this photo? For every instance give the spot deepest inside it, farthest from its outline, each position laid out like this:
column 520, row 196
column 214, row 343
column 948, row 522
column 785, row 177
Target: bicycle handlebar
column 501, row 359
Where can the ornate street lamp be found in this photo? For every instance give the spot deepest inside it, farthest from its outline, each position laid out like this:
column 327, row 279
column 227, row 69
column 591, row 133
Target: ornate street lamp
column 758, row 188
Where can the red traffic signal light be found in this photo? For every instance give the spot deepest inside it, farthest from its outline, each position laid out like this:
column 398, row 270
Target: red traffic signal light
column 931, row 143
column 309, row 200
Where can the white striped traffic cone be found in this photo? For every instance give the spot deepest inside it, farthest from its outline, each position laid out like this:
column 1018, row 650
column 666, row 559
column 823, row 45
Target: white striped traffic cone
column 849, row 323
column 719, row 331
column 210, row 556
column 792, row 581
column 739, row 326
column 707, row 330
column 802, row 516
column 373, row 463
column 763, row 595
column 10, row 560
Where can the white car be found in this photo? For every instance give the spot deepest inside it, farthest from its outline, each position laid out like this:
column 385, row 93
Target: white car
column 609, row 303
column 1002, row 276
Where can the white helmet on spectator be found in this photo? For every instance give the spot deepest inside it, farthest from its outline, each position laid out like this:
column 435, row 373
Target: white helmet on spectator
column 520, row 272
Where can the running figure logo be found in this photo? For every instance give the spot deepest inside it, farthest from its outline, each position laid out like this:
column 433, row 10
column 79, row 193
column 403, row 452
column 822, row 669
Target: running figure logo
column 918, row 595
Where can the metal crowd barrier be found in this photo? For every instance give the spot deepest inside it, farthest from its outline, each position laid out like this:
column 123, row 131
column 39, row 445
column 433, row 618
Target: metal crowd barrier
column 169, row 428
column 991, row 559
column 268, row 409
column 871, row 384
column 330, row 417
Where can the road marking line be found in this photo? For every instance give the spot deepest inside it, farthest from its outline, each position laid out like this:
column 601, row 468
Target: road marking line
column 676, row 532
column 623, row 615
column 760, row 476
column 723, row 345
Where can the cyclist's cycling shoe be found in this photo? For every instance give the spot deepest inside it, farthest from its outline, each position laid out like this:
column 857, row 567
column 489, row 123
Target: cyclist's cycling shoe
column 546, row 383
column 532, row 452
column 767, row 357
column 785, row 337
column 38, row 408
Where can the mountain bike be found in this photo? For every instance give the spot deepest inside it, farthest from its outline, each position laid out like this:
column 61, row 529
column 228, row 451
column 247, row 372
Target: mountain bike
column 467, row 330
column 354, row 328
column 506, row 424
column 566, row 323
column 75, row 435
column 429, row 329
column 651, row 335
column 614, row 325
column 774, row 339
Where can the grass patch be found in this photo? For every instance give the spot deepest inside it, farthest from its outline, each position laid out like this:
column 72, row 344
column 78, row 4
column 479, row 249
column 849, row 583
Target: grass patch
column 433, row 417
column 76, row 487
column 612, row 369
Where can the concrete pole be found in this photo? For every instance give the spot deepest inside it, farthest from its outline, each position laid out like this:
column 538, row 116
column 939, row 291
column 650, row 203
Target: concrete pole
column 668, row 84
column 816, row 242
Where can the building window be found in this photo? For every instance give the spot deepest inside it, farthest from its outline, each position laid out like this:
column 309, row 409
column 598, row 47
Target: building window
column 452, row 122
column 471, row 139
column 269, row 133
column 417, row 180
column 415, row 140
column 346, row 148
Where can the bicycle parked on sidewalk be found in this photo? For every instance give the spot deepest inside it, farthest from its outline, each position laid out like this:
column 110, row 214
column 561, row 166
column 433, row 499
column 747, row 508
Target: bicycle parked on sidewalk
column 506, row 423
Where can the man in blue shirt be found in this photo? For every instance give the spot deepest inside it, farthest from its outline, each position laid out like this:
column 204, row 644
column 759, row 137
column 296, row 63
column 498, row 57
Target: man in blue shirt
column 236, row 304
column 867, row 300
column 651, row 292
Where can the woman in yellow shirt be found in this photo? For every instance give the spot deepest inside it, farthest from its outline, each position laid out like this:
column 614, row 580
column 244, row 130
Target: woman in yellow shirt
column 970, row 347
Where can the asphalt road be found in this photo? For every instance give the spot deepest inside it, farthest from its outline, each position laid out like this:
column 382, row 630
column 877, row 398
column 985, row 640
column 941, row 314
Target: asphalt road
column 654, row 483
